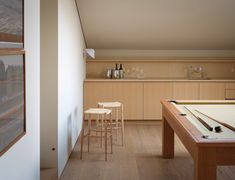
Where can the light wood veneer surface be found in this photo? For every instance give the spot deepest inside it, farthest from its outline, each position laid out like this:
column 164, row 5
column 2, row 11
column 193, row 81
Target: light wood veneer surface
column 139, row 159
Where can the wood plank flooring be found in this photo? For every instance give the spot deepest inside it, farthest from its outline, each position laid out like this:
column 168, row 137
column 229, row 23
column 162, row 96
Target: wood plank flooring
column 139, row 159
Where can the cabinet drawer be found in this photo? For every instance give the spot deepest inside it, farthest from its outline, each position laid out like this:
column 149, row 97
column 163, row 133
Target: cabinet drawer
column 230, row 86
column 230, row 94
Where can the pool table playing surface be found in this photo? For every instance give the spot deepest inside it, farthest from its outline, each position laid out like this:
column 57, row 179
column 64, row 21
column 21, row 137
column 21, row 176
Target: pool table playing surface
column 207, row 130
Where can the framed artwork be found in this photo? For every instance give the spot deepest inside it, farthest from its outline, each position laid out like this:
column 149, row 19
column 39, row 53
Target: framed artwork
column 12, row 100
column 11, row 23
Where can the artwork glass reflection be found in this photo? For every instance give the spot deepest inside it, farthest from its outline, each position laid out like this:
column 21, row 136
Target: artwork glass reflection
column 12, row 100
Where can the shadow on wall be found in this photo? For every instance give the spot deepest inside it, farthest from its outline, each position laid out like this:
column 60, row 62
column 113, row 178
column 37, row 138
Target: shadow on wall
column 76, row 125
column 73, row 130
column 69, row 135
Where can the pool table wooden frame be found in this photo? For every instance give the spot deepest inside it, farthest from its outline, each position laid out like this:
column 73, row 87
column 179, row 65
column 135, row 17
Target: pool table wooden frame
column 206, row 153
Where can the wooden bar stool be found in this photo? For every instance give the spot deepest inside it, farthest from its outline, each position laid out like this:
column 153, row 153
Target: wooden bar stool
column 106, row 127
column 117, row 109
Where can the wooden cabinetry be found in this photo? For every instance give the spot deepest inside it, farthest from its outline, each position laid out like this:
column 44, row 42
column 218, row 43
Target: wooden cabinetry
column 96, row 92
column 230, row 91
column 153, row 93
column 186, row 90
column 130, row 94
column 212, row 91
column 230, row 86
column 142, row 99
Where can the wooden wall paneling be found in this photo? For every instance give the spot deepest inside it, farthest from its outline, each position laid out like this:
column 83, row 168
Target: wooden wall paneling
column 212, row 91
column 153, row 93
column 186, row 90
column 131, row 95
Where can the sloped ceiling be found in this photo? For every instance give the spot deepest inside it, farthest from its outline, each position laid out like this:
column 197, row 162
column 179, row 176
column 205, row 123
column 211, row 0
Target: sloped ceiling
column 158, row 24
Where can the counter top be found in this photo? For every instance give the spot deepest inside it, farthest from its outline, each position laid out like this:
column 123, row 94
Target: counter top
column 159, row 80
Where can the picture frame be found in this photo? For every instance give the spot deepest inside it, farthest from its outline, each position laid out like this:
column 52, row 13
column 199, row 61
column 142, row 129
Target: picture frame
column 11, row 24
column 12, row 99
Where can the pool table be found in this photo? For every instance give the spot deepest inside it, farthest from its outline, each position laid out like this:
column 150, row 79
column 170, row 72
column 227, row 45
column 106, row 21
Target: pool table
column 207, row 130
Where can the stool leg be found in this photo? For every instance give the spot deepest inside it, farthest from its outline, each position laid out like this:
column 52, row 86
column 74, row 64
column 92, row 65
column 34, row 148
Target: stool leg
column 105, row 138
column 101, row 131
column 111, row 136
column 116, row 114
column 97, row 122
column 89, row 131
column 122, row 124
column 82, row 136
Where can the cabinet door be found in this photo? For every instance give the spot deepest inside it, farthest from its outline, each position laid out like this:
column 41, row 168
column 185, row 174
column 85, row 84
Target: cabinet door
column 153, row 94
column 230, row 94
column 230, row 91
column 212, row 91
column 96, row 92
column 131, row 95
column 186, row 91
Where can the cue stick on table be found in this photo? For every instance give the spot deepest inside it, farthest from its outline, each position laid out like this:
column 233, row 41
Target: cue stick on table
column 222, row 123
column 200, row 120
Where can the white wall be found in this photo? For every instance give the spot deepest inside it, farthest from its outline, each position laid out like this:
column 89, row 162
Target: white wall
column 49, row 82
column 62, row 75
column 71, row 74
column 21, row 161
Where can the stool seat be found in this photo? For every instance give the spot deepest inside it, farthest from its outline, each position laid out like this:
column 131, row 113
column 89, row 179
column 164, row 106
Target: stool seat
column 98, row 111
column 109, row 104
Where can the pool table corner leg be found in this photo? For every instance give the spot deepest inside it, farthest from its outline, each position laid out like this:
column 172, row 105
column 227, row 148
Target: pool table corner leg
column 205, row 164
column 167, row 140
